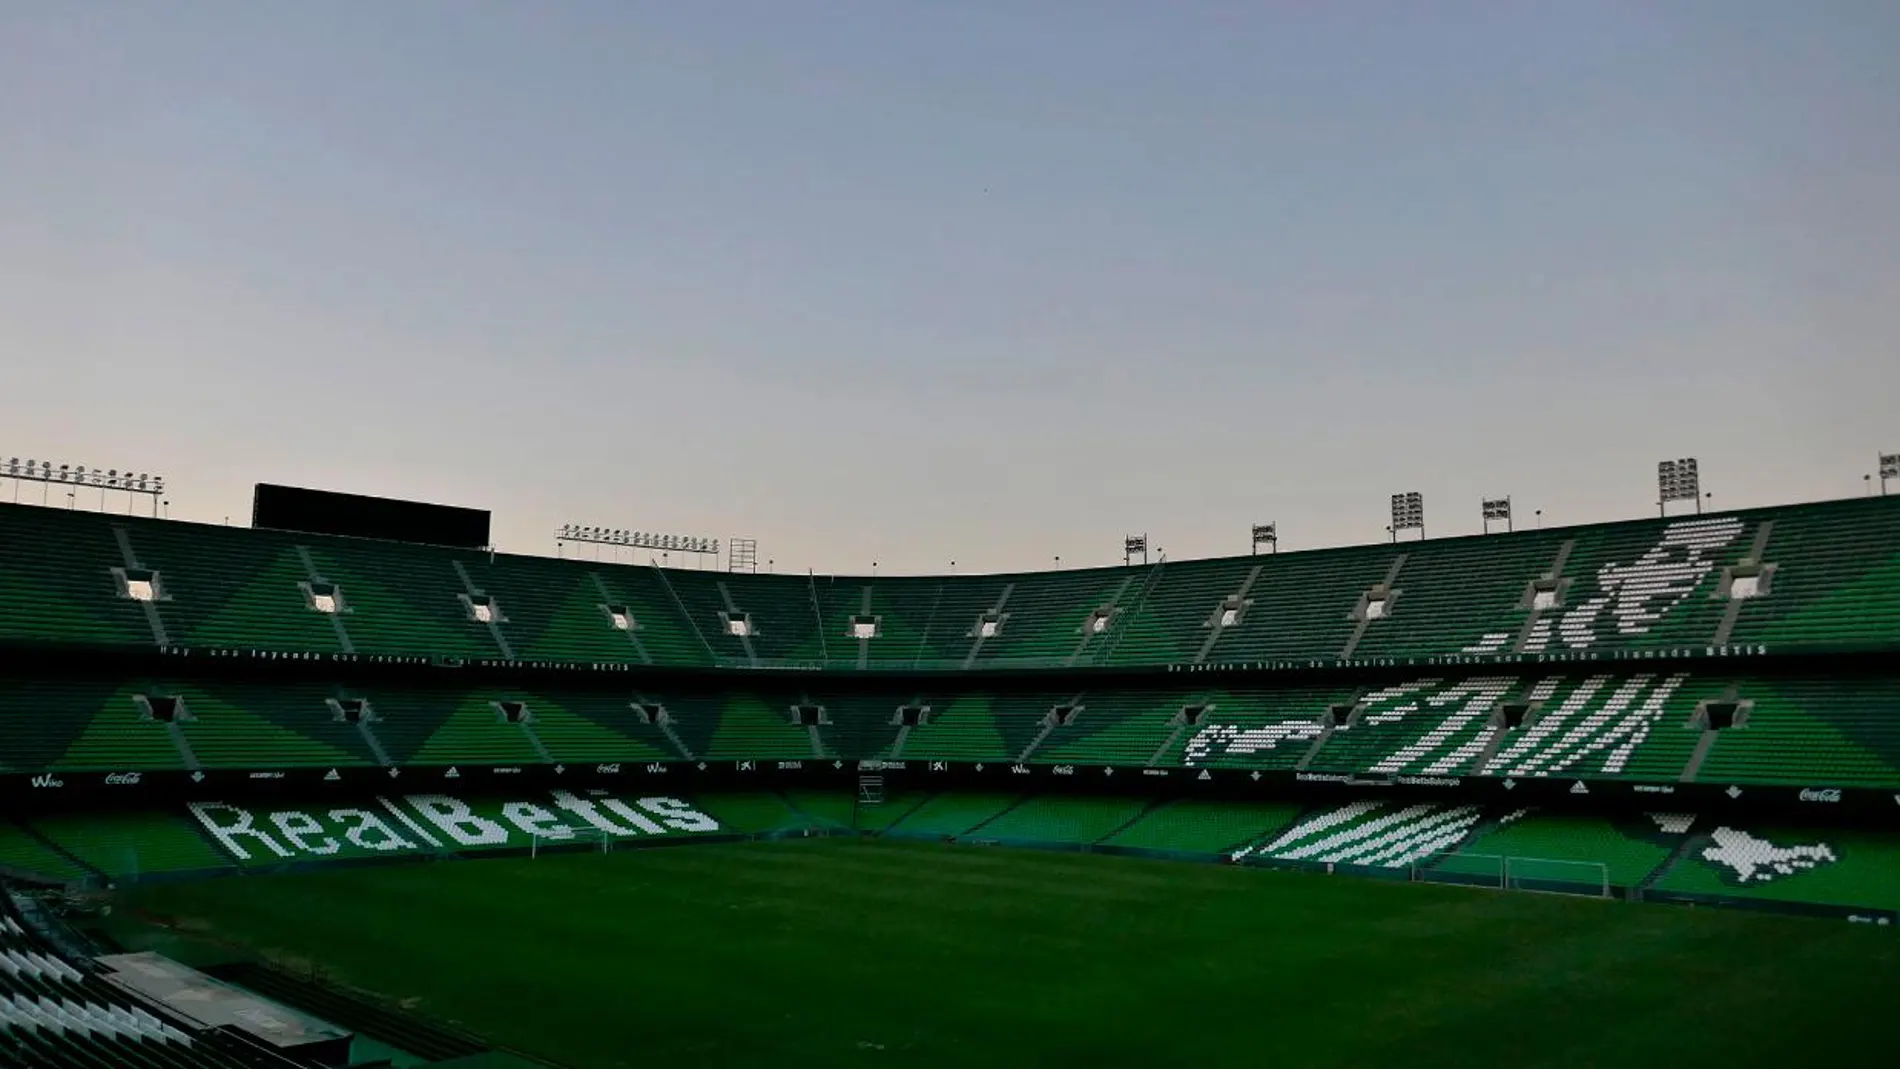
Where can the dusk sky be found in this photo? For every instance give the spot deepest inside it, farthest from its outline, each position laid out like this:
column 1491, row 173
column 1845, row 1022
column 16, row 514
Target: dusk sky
column 991, row 280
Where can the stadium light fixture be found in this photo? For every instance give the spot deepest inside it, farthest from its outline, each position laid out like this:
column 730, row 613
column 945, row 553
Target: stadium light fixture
column 1408, row 514
column 1889, row 469
column 1497, row 508
column 1132, row 545
column 742, row 555
column 1266, row 534
column 1677, row 480
column 77, row 476
column 613, row 536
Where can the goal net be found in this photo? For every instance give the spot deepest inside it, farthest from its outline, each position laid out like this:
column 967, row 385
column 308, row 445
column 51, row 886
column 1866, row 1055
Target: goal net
column 583, row 840
column 1514, row 873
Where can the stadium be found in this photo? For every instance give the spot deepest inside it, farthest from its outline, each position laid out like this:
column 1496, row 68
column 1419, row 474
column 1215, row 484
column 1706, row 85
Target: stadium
column 1006, row 630
column 285, row 797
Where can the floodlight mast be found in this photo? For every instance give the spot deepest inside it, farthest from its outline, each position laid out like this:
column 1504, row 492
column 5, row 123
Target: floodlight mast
column 665, row 543
column 1266, row 534
column 1678, row 480
column 76, row 476
column 1497, row 508
column 1408, row 514
column 1889, row 469
column 1132, row 545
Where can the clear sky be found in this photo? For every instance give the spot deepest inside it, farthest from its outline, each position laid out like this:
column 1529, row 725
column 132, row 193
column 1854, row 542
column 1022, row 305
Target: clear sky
column 991, row 280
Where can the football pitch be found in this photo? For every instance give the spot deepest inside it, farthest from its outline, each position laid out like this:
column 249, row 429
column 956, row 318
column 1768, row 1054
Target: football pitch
column 855, row 953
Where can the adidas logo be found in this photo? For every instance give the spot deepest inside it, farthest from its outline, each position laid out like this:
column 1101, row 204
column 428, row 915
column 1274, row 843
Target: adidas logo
column 451, row 773
column 331, row 776
column 1579, row 788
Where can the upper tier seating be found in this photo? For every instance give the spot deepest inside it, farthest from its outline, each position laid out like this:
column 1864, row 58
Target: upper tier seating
column 1823, row 576
column 1556, row 721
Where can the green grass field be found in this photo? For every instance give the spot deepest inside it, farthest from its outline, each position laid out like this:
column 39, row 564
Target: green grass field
column 853, row 953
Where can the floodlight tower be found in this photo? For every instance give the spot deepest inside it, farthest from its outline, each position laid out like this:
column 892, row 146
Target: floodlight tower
column 1408, row 514
column 665, row 543
column 1889, row 469
column 1497, row 508
column 75, row 476
column 1678, row 480
column 1266, row 534
column 1132, row 545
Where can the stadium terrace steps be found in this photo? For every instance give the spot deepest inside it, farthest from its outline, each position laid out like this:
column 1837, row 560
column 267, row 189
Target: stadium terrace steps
column 953, row 814
column 54, row 1015
column 825, row 809
column 1836, row 579
column 1063, row 819
column 1643, row 584
column 1198, row 826
column 1622, row 723
column 750, row 727
column 1811, row 732
column 1303, row 604
column 1437, row 592
column 245, row 593
column 1369, row 834
column 408, row 600
column 136, row 844
column 57, row 583
column 1830, row 867
column 23, row 851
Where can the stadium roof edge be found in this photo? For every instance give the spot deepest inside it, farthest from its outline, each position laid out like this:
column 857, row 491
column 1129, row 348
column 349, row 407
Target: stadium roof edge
column 1841, row 503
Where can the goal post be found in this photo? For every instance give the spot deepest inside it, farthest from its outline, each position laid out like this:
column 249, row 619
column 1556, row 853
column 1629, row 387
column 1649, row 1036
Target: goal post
column 1514, row 872
column 1557, row 876
column 581, row 840
column 1470, row 870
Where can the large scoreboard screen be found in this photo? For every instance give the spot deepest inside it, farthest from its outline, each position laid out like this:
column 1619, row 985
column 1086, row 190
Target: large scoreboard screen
column 290, row 508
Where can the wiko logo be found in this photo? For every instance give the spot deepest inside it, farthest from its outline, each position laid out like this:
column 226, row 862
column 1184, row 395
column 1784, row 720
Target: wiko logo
column 48, row 781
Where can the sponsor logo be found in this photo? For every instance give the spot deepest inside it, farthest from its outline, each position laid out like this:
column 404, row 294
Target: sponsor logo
column 1019, row 770
column 1820, row 794
column 1653, row 788
column 607, row 770
column 655, row 768
column 268, row 775
column 509, row 770
column 939, row 766
column 791, row 764
column 1321, row 777
column 122, row 779
column 332, row 776
column 1427, row 781
column 748, row 766
column 1154, row 771
column 47, row 781
column 1063, row 770
column 887, row 766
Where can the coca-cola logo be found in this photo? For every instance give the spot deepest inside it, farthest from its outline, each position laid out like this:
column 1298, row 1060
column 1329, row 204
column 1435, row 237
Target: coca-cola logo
column 1820, row 794
column 122, row 779
column 607, row 770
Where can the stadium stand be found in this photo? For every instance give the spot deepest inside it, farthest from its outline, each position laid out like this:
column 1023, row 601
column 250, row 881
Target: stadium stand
column 1788, row 864
column 1823, row 576
column 55, row 1015
column 1666, row 652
